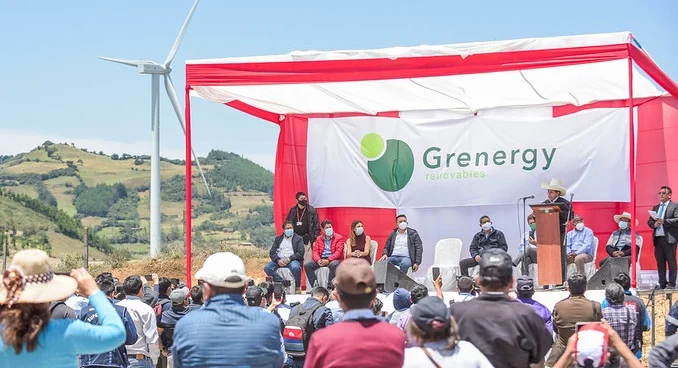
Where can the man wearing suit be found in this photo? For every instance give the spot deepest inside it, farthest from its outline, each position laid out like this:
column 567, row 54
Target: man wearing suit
column 555, row 192
column 665, row 237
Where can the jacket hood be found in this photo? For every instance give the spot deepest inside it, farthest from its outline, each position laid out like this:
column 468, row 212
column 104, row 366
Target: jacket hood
column 401, row 299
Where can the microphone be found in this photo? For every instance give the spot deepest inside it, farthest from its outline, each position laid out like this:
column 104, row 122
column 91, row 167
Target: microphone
column 571, row 196
column 528, row 197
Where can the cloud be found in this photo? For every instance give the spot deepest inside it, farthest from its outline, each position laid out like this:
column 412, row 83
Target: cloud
column 16, row 141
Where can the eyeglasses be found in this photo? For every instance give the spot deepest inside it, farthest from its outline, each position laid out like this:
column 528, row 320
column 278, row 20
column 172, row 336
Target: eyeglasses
column 663, row 193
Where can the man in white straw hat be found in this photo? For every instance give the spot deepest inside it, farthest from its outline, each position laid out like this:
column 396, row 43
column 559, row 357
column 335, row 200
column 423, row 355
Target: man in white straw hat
column 619, row 243
column 555, row 192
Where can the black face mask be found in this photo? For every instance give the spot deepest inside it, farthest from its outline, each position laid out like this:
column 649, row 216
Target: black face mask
column 303, row 202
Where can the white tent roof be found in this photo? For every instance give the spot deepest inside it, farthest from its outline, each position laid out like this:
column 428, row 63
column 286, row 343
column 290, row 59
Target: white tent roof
column 585, row 69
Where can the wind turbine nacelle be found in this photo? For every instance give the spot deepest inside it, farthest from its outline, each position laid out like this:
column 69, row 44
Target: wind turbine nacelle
column 151, row 69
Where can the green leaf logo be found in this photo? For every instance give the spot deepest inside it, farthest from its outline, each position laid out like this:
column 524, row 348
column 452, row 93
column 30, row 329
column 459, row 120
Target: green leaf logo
column 390, row 163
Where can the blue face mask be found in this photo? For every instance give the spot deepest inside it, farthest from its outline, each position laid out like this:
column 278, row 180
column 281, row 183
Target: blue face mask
column 623, row 225
column 329, row 232
column 289, row 232
column 359, row 230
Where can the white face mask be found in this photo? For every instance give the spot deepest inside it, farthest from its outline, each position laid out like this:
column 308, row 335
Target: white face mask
column 402, row 225
column 579, row 226
column 487, row 226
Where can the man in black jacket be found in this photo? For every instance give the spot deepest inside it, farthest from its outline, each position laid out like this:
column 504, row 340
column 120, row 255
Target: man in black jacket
column 487, row 238
column 304, row 218
column 287, row 251
column 403, row 247
column 665, row 237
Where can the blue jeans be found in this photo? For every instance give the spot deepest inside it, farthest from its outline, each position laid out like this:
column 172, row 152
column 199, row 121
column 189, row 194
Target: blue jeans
column 145, row 363
column 403, row 262
column 294, row 266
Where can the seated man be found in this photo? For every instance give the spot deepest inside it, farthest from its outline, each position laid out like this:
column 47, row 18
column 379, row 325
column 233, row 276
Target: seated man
column 487, row 238
column 579, row 244
column 328, row 251
column 287, row 251
column 528, row 247
column 619, row 243
column 403, row 247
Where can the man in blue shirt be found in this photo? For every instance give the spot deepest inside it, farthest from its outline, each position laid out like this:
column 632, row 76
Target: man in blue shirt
column 225, row 332
column 579, row 244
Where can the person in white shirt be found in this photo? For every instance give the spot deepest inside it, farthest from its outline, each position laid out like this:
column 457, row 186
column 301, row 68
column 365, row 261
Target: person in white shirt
column 145, row 352
column 287, row 252
column 465, row 289
column 438, row 344
column 403, row 247
column 528, row 247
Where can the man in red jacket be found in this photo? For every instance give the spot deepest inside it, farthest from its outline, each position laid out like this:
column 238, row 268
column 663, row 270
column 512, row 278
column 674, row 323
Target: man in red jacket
column 328, row 251
column 361, row 339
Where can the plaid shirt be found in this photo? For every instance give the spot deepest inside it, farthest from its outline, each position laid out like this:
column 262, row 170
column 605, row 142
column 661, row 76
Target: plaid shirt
column 624, row 321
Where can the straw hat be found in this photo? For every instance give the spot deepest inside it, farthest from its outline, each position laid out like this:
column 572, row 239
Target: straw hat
column 624, row 215
column 30, row 279
column 555, row 184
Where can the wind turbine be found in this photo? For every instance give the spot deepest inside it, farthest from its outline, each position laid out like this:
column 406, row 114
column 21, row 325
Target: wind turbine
column 156, row 70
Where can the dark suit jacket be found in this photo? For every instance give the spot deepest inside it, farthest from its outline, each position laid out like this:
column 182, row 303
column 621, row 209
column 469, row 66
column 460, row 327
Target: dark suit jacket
column 670, row 223
column 297, row 246
column 414, row 245
column 481, row 243
column 563, row 214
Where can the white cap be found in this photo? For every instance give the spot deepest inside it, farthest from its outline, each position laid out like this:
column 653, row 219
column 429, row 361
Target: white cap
column 223, row 269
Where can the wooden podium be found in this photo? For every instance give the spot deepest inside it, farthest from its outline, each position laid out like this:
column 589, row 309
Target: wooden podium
column 548, row 243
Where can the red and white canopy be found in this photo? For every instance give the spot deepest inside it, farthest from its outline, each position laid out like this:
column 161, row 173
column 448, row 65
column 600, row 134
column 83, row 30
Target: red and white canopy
column 575, row 70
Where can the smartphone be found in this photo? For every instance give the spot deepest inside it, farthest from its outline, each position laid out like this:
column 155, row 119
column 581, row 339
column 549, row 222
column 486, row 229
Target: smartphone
column 436, row 273
column 277, row 290
column 269, row 278
column 148, row 277
column 118, row 289
column 286, row 283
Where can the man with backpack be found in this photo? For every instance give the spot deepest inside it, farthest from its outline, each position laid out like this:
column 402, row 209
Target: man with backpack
column 304, row 320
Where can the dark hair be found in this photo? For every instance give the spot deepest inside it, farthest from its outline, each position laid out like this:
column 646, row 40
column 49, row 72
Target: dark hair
column 196, row 294
column 325, row 223
column 531, row 217
column 363, row 301
column 492, row 283
column 399, row 216
column 614, row 294
column 418, row 292
column 22, row 324
column 484, row 217
column 132, row 285
column 624, row 280
column 106, row 285
column 287, row 222
column 450, row 334
column 353, row 236
column 525, row 293
column 666, row 188
column 465, row 284
column 219, row 290
column 577, row 284
column 104, row 275
column 163, row 284
column 377, row 305
column 320, row 291
column 299, row 194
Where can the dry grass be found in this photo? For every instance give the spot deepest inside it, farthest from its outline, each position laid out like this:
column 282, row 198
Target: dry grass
column 33, row 167
column 26, row 189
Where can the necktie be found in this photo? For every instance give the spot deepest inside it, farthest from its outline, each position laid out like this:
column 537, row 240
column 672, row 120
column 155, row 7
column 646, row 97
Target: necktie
column 660, row 230
column 661, row 210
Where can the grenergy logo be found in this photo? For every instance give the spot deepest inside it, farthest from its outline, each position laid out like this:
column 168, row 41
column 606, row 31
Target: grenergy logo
column 390, row 163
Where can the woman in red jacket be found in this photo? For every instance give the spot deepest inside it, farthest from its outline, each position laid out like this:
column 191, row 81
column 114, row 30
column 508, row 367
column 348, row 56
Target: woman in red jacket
column 328, row 251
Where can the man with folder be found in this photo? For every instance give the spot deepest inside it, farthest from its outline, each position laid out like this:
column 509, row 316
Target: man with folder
column 664, row 220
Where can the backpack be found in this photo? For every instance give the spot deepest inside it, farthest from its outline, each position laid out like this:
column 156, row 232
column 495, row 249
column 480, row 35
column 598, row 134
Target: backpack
column 298, row 331
column 157, row 309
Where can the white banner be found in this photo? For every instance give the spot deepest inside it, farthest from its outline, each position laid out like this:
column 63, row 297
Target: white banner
column 480, row 160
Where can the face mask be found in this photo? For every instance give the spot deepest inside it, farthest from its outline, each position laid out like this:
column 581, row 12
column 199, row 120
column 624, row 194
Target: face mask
column 402, row 225
column 533, row 226
column 579, row 226
column 487, row 226
column 623, row 225
column 329, row 232
column 359, row 230
column 289, row 232
column 303, row 202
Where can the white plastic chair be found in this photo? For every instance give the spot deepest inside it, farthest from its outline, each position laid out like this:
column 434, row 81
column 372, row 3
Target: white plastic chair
column 373, row 251
column 446, row 257
column 639, row 280
column 590, row 267
column 285, row 274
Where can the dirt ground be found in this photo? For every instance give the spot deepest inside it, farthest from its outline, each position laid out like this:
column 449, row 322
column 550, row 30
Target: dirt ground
column 663, row 304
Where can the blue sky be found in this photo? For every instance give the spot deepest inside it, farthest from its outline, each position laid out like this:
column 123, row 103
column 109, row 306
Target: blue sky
column 54, row 86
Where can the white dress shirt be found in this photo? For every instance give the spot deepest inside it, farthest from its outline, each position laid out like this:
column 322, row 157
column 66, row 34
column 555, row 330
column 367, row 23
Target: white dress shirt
column 146, row 324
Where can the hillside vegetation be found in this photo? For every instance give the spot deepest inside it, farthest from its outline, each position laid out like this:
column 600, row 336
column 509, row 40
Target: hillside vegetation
column 50, row 195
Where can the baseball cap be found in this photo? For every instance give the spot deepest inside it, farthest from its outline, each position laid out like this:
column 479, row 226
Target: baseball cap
column 495, row 263
column 254, row 294
column 430, row 314
column 223, row 269
column 591, row 345
column 178, row 296
column 355, row 277
column 525, row 283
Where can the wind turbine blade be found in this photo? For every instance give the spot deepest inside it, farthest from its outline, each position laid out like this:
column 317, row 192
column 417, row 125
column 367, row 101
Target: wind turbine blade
column 169, row 87
column 123, row 61
column 177, row 42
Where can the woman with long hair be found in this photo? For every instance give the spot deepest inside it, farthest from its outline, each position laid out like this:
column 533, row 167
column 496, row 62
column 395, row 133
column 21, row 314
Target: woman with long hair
column 358, row 244
column 28, row 338
column 438, row 343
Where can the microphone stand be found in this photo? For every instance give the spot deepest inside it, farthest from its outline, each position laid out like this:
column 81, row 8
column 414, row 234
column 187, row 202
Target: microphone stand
column 523, row 268
column 651, row 300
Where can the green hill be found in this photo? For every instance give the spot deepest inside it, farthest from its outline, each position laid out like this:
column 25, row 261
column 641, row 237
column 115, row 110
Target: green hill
column 109, row 195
